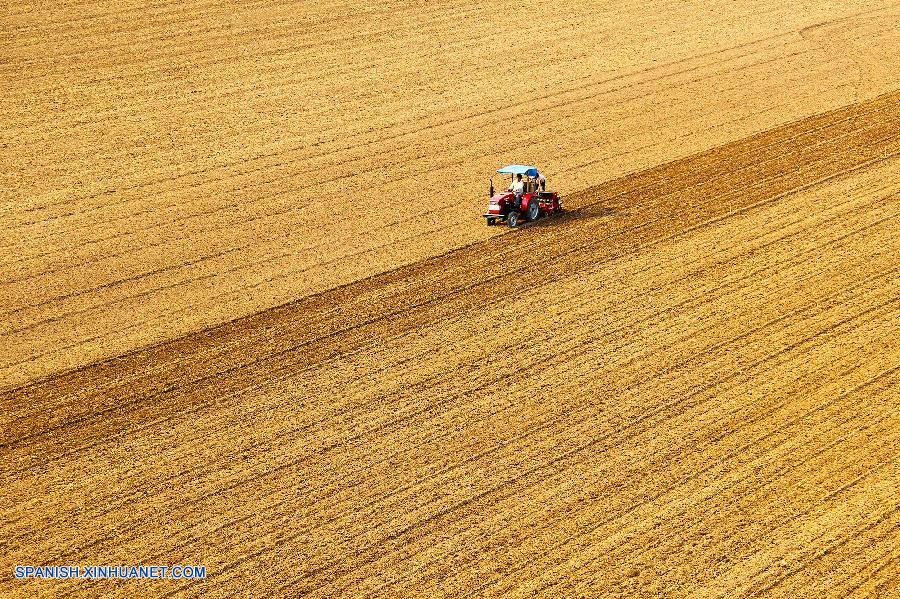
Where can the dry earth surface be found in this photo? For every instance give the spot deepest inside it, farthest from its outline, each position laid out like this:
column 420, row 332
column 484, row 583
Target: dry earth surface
column 168, row 166
column 685, row 386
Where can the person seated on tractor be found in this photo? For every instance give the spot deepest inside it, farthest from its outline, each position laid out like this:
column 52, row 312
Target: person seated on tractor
column 518, row 186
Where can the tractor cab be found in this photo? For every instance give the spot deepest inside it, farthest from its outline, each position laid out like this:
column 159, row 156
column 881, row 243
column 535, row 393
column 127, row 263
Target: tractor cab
column 531, row 204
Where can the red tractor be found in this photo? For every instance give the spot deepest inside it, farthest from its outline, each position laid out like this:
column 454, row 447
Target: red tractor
column 526, row 197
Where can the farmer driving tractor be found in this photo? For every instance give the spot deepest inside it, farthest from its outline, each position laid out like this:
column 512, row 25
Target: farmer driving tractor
column 526, row 197
column 517, row 186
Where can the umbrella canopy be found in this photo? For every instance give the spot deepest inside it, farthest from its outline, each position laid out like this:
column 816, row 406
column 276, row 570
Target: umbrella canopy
column 519, row 169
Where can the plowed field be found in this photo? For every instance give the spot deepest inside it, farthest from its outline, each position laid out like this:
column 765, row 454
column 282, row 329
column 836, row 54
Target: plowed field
column 688, row 386
column 250, row 318
column 168, row 166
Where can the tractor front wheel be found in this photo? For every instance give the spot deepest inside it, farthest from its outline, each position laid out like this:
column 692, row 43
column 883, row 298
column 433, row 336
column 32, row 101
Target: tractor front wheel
column 491, row 222
column 513, row 219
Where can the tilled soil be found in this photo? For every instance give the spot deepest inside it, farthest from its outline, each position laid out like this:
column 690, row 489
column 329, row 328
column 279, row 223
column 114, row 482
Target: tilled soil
column 169, row 166
column 686, row 385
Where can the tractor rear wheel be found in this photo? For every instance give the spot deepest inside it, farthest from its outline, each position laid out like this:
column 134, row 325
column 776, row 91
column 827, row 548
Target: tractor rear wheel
column 534, row 209
column 513, row 219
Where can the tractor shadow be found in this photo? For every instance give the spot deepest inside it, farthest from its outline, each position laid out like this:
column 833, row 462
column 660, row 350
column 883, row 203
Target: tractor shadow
column 583, row 214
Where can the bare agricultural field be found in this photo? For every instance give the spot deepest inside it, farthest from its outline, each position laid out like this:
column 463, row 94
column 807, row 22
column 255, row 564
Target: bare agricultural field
column 687, row 386
column 168, row 166
column 250, row 317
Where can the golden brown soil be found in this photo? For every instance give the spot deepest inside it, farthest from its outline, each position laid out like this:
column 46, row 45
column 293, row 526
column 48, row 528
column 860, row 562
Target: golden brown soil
column 168, row 166
column 686, row 386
